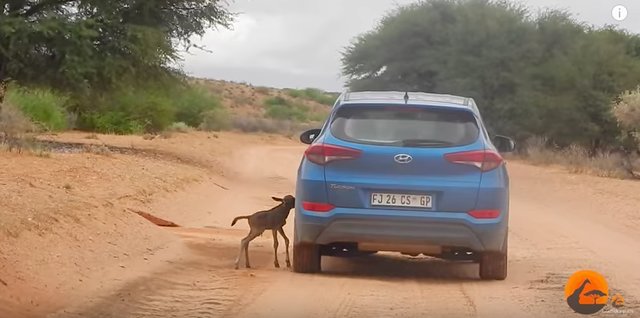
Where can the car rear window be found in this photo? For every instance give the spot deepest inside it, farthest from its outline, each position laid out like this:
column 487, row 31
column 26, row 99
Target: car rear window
column 405, row 126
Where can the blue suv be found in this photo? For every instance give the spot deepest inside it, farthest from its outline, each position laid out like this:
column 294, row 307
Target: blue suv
column 407, row 172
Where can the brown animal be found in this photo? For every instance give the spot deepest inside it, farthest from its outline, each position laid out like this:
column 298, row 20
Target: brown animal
column 273, row 219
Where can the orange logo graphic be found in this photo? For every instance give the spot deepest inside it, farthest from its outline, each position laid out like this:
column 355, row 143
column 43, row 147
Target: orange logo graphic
column 586, row 292
column 617, row 301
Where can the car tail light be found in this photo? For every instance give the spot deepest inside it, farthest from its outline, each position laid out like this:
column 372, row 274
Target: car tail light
column 323, row 153
column 484, row 160
column 485, row 214
column 317, row 207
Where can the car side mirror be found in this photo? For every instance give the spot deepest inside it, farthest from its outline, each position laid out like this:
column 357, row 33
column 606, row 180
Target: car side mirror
column 308, row 136
column 504, row 144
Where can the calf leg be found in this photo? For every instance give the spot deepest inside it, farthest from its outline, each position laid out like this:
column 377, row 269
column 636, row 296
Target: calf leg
column 286, row 243
column 244, row 245
column 275, row 248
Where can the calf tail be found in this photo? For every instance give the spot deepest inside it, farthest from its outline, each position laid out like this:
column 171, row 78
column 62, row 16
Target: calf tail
column 239, row 218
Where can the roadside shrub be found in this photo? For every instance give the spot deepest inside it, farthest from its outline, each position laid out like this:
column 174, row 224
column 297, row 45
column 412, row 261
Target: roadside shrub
column 320, row 96
column 313, row 94
column 114, row 122
column 191, row 102
column 576, row 159
column 627, row 114
column 280, row 108
column 14, row 126
column 627, row 110
column 149, row 107
column 256, row 124
column 180, row 127
column 262, row 90
column 43, row 107
column 13, row 123
column 215, row 120
column 270, row 125
column 129, row 111
column 295, row 93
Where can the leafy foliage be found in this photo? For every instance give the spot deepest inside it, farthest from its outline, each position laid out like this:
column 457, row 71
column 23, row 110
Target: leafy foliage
column 280, row 108
column 627, row 113
column 313, row 94
column 191, row 103
column 546, row 75
column 84, row 46
column 215, row 120
column 43, row 107
column 113, row 122
column 149, row 108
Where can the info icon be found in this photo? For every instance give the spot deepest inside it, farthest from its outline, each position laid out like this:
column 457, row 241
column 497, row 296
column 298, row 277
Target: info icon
column 619, row 12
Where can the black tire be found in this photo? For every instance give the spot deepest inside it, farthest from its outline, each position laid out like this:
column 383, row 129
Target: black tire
column 306, row 258
column 493, row 265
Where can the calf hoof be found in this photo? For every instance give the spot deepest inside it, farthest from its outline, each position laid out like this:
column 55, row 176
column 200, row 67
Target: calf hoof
column 288, row 264
column 248, row 266
column 276, row 265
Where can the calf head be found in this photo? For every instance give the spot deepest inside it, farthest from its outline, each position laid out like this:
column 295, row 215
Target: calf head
column 288, row 200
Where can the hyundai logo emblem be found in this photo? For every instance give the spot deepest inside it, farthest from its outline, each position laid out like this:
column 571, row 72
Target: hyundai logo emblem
column 403, row 158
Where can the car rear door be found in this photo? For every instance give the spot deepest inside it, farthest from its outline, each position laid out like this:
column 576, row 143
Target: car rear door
column 402, row 154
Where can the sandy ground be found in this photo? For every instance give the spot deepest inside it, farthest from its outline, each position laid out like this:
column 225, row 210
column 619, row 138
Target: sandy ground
column 560, row 223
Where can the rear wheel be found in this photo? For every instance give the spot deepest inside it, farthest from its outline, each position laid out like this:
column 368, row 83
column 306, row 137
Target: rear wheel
column 493, row 265
column 306, row 258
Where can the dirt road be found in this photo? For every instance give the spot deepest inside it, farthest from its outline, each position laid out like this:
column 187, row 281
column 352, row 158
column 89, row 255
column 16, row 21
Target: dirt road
column 560, row 223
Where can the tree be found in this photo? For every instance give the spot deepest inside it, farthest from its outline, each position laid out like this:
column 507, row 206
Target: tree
column 595, row 294
column 545, row 75
column 627, row 112
column 89, row 45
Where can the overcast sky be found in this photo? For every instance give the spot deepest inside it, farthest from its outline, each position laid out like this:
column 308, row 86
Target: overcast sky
column 298, row 43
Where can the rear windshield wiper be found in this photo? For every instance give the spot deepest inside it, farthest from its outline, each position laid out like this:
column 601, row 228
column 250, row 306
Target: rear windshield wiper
column 423, row 143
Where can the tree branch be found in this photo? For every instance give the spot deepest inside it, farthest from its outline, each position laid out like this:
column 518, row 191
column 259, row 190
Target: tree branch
column 38, row 7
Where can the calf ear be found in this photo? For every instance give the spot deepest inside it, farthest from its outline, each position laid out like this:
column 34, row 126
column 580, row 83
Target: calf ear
column 277, row 199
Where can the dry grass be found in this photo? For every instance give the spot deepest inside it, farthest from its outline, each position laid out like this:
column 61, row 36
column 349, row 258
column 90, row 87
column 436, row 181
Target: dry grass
column 149, row 136
column 166, row 134
column 180, row 127
column 627, row 110
column 16, row 133
column 576, row 159
column 13, row 127
column 271, row 126
column 102, row 150
column 263, row 90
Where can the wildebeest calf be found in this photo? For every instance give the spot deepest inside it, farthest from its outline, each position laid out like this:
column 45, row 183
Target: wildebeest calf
column 273, row 219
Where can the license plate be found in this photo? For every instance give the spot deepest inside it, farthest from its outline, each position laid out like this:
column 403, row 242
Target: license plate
column 401, row 200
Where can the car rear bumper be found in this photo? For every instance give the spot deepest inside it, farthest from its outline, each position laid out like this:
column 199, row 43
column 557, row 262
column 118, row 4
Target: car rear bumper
column 401, row 229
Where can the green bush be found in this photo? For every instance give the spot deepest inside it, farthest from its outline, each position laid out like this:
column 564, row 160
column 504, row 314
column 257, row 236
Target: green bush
column 114, row 122
column 191, row 103
column 215, row 120
column 320, row 96
column 44, row 107
column 313, row 94
column 150, row 109
column 128, row 111
column 295, row 93
column 280, row 108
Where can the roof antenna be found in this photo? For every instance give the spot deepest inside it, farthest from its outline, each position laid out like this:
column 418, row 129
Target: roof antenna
column 406, row 97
